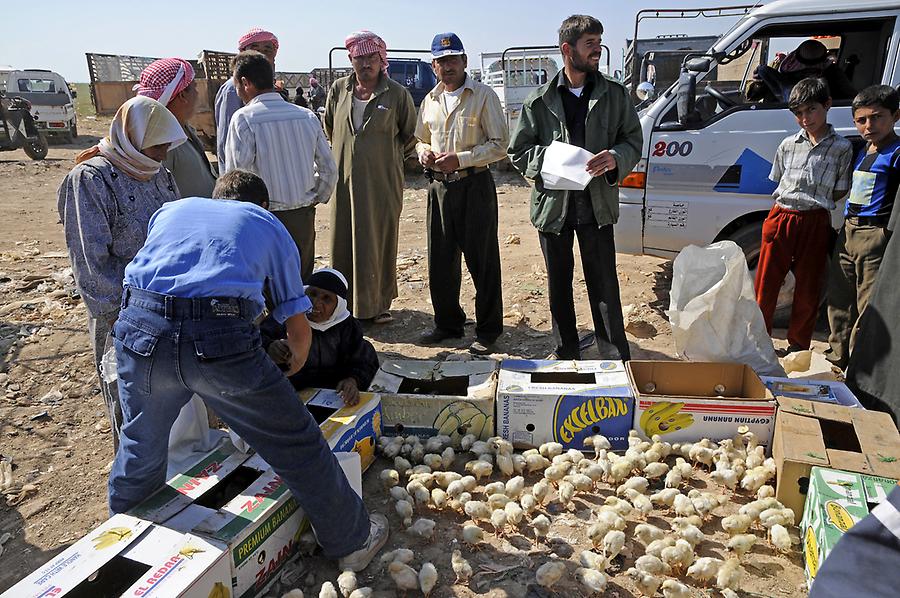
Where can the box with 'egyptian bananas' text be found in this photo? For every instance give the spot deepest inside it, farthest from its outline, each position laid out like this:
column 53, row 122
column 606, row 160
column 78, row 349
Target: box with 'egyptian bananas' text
column 426, row 398
column 686, row 401
column 563, row 401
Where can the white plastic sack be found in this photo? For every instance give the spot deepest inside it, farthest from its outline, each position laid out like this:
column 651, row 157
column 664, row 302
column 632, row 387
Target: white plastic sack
column 713, row 309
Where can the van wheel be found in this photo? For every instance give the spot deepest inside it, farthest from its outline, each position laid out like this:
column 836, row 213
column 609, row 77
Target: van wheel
column 36, row 148
column 749, row 239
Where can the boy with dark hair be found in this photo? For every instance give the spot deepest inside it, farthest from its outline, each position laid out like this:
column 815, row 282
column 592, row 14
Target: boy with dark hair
column 285, row 145
column 812, row 169
column 864, row 236
column 242, row 185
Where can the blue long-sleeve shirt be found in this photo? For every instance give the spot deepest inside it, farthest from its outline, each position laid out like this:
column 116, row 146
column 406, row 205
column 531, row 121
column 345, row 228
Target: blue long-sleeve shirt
column 227, row 103
column 200, row 247
column 105, row 215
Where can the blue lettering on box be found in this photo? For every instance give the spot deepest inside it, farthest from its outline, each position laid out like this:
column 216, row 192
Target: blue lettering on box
column 577, row 417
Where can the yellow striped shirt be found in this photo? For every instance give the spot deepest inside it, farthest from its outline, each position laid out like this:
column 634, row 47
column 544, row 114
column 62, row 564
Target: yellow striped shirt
column 475, row 130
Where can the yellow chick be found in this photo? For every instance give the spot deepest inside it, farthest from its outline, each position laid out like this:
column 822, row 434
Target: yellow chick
column 438, row 498
column 730, row 575
column 541, row 490
column 549, row 573
column 640, row 502
column 461, row 567
column 346, row 583
column 580, row 482
column 638, row 483
column 505, row 464
column 428, row 578
column 536, row 462
column 478, row 510
column 361, row 593
column 647, row 533
column 469, row 483
column 691, row 534
column 781, row 540
column 389, row 477
column 647, row 583
column 455, row 488
column 775, row 516
column 665, row 497
column 683, row 506
column 497, row 501
column 405, row 510
column 514, row 487
column 592, row 560
column 528, row 503
column 433, row 461
column 540, row 525
column 327, row 590
column 550, row 449
column 765, row 491
column 498, row 520
column 704, row 569
column 514, row 513
column 466, row 442
column 565, row 492
column 593, row 581
column 610, row 518
column 741, row 543
column 620, row 470
column 613, row 543
column 480, row 469
column 679, row 556
column 401, row 555
column 494, row 488
column 402, row 465
column 656, row 547
column 599, row 442
column 555, row 473
column 404, row 576
column 654, row 471
column 736, row 524
column 620, row 506
column 295, row 593
column 675, row 589
column 448, row 456
column 472, row 535
column 651, row 564
column 423, row 528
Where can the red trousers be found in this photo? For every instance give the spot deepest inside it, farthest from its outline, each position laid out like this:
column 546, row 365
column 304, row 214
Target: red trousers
column 793, row 241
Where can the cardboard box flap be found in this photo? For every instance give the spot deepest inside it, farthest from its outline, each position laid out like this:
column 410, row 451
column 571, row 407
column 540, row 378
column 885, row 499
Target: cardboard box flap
column 848, row 460
column 176, row 566
column 877, row 434
column 446, row 378
column 184, row 488
column 687, row 380
column 586, row 378
column 71, row 567
column 545, row 365
column 838, row 413
column 806, row 444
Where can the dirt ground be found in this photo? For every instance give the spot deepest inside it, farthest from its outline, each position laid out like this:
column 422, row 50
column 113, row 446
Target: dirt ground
column 53, row 426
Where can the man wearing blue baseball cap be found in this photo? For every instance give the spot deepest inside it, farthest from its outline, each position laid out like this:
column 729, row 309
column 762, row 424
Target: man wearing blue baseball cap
column 461, row 130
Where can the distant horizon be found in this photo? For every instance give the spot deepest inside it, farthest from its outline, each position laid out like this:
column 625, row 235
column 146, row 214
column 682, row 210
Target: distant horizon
column 306, row 34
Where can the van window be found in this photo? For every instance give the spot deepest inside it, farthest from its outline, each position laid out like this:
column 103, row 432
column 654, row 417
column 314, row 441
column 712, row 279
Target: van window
column 37, row 86
column 762, row 71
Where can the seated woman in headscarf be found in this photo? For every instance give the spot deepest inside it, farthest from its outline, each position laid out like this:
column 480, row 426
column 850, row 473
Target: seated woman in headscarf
column 105, row 204
column 339, row 356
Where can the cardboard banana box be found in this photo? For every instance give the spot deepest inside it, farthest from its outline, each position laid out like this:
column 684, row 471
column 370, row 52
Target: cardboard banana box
column 426, row 398
column 836, row 501
column 686, row 401
column 127, row 556
column 563, row 401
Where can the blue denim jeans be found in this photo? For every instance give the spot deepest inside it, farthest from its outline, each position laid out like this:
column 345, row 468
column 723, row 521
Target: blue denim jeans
column 169, row 348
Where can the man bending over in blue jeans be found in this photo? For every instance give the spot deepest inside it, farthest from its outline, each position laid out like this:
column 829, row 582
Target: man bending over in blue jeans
column 192, row 294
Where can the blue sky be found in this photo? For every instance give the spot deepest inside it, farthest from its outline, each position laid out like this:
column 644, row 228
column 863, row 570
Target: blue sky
column 56, row 34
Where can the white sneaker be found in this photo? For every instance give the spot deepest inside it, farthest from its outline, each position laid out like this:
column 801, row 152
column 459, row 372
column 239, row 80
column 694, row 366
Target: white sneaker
column 378, row 535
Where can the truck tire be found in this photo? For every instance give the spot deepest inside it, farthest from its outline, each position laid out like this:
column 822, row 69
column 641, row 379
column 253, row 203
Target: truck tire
column 37, row 148
column 749, row 239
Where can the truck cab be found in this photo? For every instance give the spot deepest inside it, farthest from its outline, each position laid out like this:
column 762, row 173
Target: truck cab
column 52, row 104
column 703, row 176
column 413, row 74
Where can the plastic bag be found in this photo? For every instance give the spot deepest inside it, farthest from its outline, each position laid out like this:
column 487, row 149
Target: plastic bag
column 713, row 309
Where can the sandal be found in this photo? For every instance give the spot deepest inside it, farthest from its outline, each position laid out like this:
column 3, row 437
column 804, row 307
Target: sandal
column 383, row 318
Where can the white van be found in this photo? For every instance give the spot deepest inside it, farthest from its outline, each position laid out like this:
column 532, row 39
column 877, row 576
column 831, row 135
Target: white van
column 703, row 176
column 52, row 104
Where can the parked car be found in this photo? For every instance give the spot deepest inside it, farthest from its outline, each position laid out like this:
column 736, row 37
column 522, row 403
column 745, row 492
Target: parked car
column 52, row 104
column 415, row 75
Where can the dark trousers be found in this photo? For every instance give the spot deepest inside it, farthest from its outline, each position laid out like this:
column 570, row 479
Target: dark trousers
column 168, row 349
column 598, row 260
column 793, row 241
column 462, row 220
column 301, row 224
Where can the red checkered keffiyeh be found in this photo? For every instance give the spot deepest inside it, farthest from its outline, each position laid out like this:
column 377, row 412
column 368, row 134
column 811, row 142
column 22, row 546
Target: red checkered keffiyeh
column 164, row 79
column 360, row 43
column 256, row 35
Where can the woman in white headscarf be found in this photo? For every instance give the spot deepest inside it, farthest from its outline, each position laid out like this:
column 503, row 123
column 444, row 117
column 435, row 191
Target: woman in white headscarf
column 339, row 356
column 105, row 204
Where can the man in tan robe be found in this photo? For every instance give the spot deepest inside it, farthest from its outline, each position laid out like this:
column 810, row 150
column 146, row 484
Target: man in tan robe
column 370, row 120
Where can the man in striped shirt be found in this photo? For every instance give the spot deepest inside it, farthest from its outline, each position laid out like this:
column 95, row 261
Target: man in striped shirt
column 285, row 145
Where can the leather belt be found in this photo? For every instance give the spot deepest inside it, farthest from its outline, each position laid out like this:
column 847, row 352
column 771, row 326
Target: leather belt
column 869, row 220
column 456, row 175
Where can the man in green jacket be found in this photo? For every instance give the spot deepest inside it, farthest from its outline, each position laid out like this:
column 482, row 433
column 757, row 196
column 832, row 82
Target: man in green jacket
column 582, row 108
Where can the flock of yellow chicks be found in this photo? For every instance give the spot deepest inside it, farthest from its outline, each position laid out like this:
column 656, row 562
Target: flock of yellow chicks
column 650, row 476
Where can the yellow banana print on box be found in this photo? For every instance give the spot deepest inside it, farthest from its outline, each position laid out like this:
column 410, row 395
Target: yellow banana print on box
column 111, row 536
column 665, row 417
column 220, row 591
column 462, row 417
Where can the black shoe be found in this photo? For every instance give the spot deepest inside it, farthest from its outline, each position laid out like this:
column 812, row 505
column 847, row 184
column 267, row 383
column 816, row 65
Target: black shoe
column 438, row 335
column 481, row 347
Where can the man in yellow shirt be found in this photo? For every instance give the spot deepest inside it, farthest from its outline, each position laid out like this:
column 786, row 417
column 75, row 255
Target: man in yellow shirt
column 461, row 130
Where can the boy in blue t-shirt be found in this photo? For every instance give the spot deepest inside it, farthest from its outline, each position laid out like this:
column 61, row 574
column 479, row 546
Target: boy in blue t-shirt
column 864, row 236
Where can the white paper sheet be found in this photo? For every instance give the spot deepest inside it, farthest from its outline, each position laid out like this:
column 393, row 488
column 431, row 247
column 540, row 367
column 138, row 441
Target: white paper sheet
column 564, row 167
